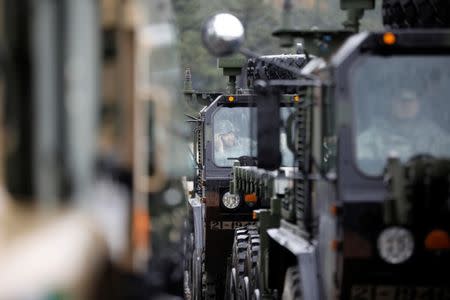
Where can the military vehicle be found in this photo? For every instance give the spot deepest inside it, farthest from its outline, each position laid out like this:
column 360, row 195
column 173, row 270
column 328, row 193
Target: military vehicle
column 224, row 134
column 365, row 215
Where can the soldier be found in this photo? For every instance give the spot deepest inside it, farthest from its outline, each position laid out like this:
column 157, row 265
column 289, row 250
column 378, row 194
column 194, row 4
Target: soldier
column 229, row 143
column 225, row 136
column 405, row 133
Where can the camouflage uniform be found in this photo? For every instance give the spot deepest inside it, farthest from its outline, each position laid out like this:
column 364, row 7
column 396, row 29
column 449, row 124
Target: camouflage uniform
column 242, row 146
column 404, row 140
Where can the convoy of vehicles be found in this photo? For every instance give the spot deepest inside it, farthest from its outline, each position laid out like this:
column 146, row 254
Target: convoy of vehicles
column 339, row 188
column 321, row 173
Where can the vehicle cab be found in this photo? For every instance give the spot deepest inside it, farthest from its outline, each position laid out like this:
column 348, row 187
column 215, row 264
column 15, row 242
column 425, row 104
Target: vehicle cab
column 385, row 125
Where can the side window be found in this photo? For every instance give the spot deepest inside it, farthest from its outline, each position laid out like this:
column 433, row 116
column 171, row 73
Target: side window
column 235, row 135
column 232, row 136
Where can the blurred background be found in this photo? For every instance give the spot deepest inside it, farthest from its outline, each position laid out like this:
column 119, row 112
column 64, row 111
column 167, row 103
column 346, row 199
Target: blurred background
column 93, row 149
column 260, row 18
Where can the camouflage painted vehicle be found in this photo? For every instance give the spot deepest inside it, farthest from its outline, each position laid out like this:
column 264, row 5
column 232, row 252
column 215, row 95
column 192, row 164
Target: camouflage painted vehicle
column 356, row 219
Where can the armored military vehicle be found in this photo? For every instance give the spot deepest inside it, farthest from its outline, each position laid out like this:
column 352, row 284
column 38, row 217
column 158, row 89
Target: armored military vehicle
column 365, row 214
column 225, row 135
column 232, row 120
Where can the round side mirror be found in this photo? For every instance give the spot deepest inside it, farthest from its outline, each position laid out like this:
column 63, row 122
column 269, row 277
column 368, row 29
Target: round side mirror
column 223, row 34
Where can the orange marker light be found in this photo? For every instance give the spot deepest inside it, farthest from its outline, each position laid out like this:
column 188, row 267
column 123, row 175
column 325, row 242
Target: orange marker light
column 389, row 38
column 231, row 99
column 254, row 215
column 250, row 198
column 296, row 98
column 437, row 240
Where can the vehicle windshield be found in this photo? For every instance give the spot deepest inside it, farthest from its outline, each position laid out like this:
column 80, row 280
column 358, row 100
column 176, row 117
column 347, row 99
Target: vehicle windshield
column 402, row 109
column 234, row 135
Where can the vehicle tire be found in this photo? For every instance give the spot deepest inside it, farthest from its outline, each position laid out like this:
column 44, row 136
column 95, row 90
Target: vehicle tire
column 230, row 283
column 292, row 289
column 256, row 295
column 246, row 288
column 252, row 264
column 416, row 13
column 239, row 257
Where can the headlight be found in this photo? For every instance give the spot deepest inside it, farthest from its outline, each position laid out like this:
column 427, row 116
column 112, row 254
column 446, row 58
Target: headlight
column 230, row 201
column 396, row 245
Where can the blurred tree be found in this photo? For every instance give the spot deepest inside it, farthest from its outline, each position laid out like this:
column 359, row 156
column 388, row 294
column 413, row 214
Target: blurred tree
column 260, row 18
column 190, row 14
column 326, row 14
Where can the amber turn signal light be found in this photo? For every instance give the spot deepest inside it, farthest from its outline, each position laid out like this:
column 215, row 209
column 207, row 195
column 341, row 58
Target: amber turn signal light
column 250, row 197
column 389, row 38
column 437, row 240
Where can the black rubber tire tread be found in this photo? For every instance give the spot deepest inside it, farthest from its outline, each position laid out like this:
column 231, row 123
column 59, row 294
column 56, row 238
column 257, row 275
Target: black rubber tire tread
column 239, row 256
column 252, row 264
column 230, row 289
column 245, row 286
column 416, row 13
column 256, row 295
column 292, row 289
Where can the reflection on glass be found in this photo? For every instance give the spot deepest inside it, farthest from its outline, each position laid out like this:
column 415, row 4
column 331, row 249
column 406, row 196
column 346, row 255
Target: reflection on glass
column 401, row 109
column 235, row 137
column 232, row 138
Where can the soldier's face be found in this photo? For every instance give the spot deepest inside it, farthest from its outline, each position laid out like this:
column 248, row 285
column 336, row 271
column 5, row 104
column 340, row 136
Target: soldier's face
column 406, row 109
column 229, row 139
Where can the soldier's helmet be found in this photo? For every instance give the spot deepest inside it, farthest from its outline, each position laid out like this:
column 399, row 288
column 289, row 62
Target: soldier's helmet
column 224, row 127
column 405, row 105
